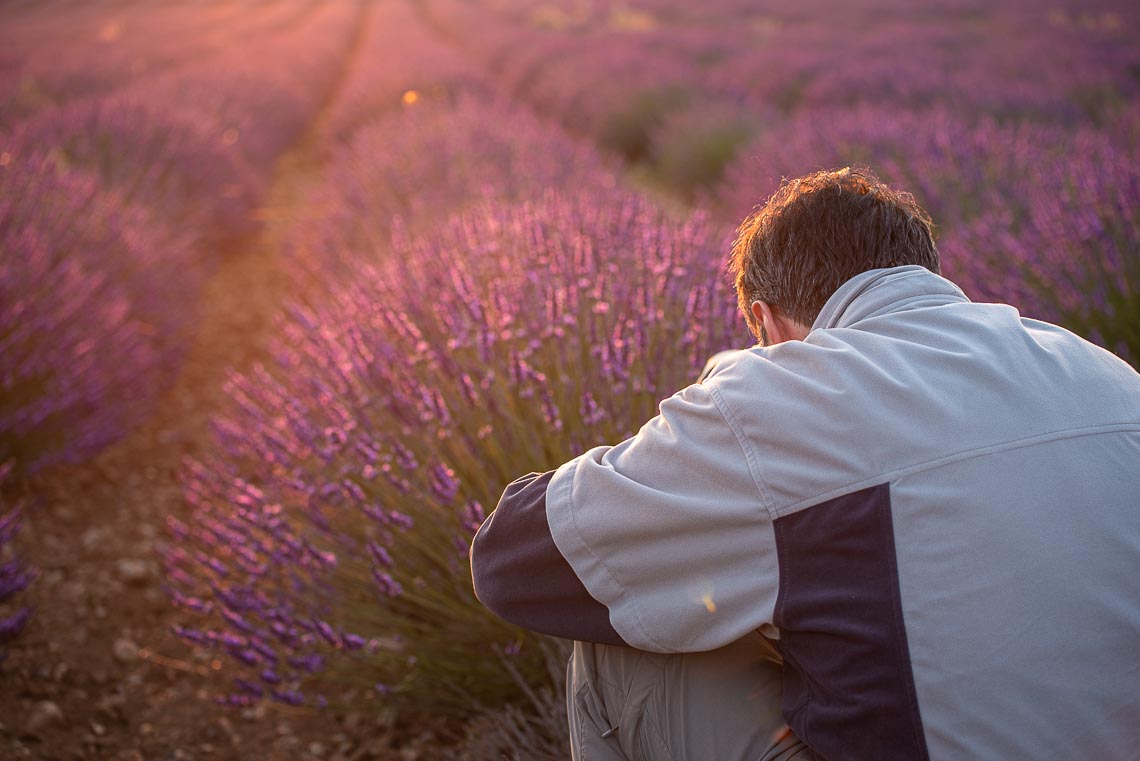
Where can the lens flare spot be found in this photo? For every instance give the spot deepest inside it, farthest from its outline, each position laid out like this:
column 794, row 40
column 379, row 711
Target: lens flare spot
column 411, row 97
column 707, row 600
column 230, row 136
column 111, row 31
column 630, row 20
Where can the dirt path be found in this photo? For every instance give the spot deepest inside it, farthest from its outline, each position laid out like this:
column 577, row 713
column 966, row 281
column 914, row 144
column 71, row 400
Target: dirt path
column 97, row 673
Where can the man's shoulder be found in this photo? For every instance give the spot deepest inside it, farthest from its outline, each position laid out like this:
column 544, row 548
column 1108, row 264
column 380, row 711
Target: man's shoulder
column 858, row 405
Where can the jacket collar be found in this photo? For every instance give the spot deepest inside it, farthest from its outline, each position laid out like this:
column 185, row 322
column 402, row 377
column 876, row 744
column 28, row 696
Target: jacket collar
column 881, row 291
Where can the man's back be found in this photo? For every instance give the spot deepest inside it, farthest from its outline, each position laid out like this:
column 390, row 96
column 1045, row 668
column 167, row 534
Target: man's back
column 1003, row 457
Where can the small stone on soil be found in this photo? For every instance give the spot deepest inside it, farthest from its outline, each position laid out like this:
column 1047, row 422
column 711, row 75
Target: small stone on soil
column 124, row 650
column 133, row 571
column 44, row 715
column 92, row 538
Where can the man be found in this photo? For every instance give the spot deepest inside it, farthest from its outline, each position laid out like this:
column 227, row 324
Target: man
column 931, row 506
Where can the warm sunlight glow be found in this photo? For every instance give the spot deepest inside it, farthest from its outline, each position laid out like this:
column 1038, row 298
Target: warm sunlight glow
column 111, row 31
column 630, row 20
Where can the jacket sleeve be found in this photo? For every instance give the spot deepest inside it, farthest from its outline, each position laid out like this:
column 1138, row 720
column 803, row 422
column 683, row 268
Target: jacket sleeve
column 521, row 576
column 669, row 529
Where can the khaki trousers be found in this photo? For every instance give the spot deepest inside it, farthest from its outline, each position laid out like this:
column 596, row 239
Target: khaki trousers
column 723, row 705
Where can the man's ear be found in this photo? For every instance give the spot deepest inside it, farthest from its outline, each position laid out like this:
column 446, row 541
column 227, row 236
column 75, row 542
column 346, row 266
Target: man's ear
column 760, row 310
column 775, row 326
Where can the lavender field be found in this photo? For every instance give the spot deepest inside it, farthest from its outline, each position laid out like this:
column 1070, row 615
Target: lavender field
column 291, row 289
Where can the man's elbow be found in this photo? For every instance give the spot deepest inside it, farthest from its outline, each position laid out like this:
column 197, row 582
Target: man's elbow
column 511, row 545
column 519, row 575
column 490, row 576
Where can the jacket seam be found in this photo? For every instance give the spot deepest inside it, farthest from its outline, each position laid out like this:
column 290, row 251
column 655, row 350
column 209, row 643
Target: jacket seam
column 905, row 667
column 630, row 601
column 960, row 456
column 749, row 456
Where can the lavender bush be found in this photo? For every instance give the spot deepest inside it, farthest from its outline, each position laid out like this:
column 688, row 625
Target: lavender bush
column 424, row 162
column 952, row 163
column 99, row 289
column 692, row 149
column 974, row 60
column 181, row 163
column 94, row 300
column 1065, row 246
column 1035, row 215
column 328, row 543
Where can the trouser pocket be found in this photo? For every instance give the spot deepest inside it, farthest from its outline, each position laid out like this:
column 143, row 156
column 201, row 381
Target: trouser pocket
column 613, row 694
column 593, row 735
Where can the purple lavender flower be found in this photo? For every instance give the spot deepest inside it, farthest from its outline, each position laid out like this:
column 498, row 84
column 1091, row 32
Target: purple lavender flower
column 191, row 635
column 289, row 697
column 12, row 625
column 387, row 585
column 244, row 686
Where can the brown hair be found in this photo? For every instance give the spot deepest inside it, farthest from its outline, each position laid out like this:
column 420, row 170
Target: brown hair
column 817, row 232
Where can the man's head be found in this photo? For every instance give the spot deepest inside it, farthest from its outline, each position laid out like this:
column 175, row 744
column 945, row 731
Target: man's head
column 814, row 234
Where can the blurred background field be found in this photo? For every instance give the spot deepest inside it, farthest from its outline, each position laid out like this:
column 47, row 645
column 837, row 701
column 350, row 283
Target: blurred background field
column 291, row 289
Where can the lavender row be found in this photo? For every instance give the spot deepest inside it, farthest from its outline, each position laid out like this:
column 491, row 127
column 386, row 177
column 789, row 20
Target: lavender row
column 328, row 542
column 55, row 57
column 401, row 62
column 954, row 164
column 180, row 162
column 267, row 91
column 94, row 186
column 682, row 90
column 95, row 297
column 973, row 57
column 420, row 164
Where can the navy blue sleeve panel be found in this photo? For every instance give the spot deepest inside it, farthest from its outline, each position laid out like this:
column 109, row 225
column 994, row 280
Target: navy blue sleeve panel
column 521, row 576
column 848, row 688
